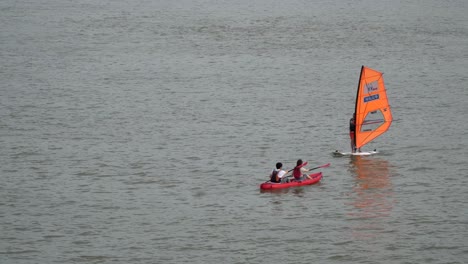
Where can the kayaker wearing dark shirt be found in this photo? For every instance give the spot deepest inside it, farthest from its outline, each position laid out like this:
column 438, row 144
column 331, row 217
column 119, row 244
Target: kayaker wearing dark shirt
column 278, row 175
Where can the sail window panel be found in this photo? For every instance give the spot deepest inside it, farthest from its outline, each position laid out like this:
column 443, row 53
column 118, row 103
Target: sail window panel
column 372, row 121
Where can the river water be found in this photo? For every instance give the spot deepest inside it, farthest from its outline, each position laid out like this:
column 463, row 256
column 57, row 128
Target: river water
column 139, row 131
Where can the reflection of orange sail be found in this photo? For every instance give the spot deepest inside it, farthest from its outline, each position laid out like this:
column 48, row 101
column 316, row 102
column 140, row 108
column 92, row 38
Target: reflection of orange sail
column 373, row 191
column 373, row 115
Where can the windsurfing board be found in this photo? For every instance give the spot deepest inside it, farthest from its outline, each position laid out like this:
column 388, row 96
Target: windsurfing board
column 362, row 153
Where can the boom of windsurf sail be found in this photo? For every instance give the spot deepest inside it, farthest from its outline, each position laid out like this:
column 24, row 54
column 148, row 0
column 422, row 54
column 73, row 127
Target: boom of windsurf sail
column 373, row 114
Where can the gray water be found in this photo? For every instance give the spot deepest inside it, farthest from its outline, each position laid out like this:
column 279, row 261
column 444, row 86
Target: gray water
column 139, row 131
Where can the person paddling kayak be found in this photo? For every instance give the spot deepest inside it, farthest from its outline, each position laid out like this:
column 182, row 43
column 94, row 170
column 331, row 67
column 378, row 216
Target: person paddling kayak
column 299, row 172
column 278, row 175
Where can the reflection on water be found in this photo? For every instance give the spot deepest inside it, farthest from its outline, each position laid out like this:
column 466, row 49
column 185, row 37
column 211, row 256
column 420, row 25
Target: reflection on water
column 372, row 195
column 373, row 192
column 296, row 191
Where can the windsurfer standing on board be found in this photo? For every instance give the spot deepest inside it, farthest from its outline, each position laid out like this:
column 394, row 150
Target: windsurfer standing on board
column 352, row 130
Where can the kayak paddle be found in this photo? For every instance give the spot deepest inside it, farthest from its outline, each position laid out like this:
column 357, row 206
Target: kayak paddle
column 323, row 166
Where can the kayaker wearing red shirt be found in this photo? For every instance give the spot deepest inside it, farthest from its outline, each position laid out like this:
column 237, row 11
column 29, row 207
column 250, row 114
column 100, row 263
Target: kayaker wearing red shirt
column 299, row 172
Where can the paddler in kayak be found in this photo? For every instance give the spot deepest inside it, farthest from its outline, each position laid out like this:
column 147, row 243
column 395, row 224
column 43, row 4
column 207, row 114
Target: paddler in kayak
column 299, row 172
column 278, row 175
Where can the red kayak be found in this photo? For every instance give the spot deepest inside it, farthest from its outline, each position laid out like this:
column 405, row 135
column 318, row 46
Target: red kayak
column 316, row 177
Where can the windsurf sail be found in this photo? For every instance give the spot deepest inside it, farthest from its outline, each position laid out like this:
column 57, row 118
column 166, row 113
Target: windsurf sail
column 373, row 115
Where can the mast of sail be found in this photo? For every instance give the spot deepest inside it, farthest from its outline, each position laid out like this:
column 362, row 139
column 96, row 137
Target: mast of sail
column 356, row 126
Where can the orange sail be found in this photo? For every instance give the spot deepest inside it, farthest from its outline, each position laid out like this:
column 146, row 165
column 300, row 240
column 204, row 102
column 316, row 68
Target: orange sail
column 373, row 115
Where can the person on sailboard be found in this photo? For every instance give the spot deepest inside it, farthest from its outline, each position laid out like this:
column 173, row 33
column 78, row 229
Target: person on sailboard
column 299, row 172
column 352, row 131
column 278, row 175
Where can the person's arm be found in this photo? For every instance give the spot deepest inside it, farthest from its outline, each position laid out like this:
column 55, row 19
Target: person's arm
column 282, row 174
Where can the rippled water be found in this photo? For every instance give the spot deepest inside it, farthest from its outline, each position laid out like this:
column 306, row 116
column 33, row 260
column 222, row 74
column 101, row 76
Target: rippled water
column 139, row 132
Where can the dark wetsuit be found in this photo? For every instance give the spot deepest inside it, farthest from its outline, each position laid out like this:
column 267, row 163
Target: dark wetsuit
column 352, row 125
column 352, row 130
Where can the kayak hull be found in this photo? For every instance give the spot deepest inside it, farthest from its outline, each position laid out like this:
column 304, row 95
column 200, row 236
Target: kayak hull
column 316, row 177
